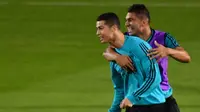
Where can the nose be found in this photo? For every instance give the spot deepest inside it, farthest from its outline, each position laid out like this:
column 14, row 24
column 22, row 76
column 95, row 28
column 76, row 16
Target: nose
column 97, row 33
column 126, row 24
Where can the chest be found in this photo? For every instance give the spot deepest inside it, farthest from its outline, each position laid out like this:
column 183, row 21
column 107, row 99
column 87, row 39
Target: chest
column 159, row 37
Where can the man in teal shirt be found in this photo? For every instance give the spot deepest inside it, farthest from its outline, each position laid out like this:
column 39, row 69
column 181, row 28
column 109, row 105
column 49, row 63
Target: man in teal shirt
column 140, row 89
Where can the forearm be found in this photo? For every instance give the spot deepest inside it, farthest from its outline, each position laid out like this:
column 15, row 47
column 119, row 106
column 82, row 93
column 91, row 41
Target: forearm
column 179, row 54
column 118, row 89
column 118, row 97
column 145, row 89
column 149, row 84
column 152, row 80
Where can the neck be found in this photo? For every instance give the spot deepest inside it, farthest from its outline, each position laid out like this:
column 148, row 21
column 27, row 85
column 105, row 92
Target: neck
column 118, row 40
column 146, row 33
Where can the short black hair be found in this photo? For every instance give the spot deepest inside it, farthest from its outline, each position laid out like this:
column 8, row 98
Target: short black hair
column 140, row 10
column 110, row 19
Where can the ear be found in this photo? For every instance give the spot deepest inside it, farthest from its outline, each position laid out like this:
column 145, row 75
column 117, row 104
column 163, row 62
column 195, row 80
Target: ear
column 145, row 21
column 114, row 28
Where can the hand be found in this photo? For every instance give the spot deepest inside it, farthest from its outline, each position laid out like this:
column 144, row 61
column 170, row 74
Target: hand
column 110, row 54
column 125, row 103
column 158, row 52
column 125, row 62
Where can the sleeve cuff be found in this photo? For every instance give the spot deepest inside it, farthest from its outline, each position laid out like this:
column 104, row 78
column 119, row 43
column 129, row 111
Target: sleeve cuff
column 131, row 99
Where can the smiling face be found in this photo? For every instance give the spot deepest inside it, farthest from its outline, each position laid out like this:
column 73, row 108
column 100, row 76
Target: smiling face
column 104, row 32
column 107, row 25
column 133, row 24
column 137, row 19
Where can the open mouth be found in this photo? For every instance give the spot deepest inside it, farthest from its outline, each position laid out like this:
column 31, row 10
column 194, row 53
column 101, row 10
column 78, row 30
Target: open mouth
column 101, row 39
column 130, row 29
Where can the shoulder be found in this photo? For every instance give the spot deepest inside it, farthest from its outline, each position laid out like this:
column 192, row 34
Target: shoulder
column 159, row 33
column 134, row 39
column 137, row 41
column 138, row 45
column 168, row 35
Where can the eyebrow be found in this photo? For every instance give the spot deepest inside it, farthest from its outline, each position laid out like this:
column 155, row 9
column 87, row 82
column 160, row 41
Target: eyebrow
column 128, row 18
column 99, row 26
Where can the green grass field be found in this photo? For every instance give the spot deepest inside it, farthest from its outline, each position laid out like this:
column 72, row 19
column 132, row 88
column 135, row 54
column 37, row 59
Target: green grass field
column 51, row 59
